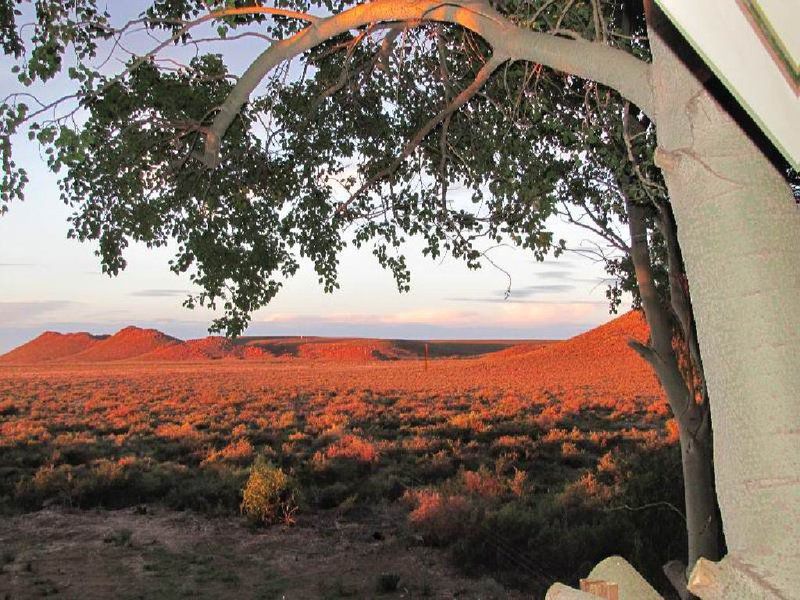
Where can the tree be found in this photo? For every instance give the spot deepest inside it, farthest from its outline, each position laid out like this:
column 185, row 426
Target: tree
column 616, row 185
column 183, row 155
column 606, row 180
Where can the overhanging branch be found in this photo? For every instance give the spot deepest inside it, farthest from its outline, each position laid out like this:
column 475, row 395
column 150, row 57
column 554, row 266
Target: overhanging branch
column 590, row 60
column 489, row 67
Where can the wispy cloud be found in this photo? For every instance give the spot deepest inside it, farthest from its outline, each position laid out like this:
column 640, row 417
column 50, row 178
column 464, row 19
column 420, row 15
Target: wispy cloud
column 519, row 294
column 12, row 313
column 406, row 317
column 513, row 300
column 503, row 314
column 556, row 262
column 546, row 288
column 159, row 293
column 555, row 275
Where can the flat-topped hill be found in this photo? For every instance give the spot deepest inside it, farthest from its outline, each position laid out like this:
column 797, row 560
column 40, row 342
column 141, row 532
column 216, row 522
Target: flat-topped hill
column 600, row 350
column 52, row 345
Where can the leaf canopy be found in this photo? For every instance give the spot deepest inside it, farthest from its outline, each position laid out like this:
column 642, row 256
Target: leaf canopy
column 325, row 153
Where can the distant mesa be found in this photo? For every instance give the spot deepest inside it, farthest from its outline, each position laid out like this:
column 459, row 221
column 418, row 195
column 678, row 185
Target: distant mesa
column 127, row 343
column 589, row 352
column 52, row 346
column 354, row 350
column 209, row 348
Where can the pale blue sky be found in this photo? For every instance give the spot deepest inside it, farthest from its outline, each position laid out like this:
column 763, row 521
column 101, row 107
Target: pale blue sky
column 50, row 282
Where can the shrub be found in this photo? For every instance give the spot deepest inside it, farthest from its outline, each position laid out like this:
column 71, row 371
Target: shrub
column 519, row 483
column 354, row 448
column 482, row 483
column 54, row 483
column 269, row 495
column 8, row 408
column 238, row 451
column 214, row 490
column 440, row 519
column 105, row 483
column 467, row 422
column 333, row 495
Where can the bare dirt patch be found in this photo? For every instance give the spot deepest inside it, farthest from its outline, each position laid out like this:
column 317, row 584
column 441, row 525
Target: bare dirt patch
column 167, row 554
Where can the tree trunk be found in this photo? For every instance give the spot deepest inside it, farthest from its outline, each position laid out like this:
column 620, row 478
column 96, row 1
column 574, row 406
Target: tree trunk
column 702, row 523
column 739, row 229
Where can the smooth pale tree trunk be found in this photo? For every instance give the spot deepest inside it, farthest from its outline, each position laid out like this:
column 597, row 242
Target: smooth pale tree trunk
column 739, row 229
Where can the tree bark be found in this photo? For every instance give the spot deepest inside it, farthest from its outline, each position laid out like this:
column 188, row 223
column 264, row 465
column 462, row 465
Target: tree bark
column 739, row 229
column 702, row 523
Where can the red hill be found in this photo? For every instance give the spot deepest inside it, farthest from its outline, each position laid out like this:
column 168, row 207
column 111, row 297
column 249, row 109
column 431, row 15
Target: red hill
column 208, row 348
column 50, row 346
column 353, row 350
column 599, row 355
column 599, row 358
column 320, row 348
column 127, row 343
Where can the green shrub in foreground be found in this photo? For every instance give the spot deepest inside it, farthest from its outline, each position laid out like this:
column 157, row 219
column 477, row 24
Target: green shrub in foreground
column 269, row 496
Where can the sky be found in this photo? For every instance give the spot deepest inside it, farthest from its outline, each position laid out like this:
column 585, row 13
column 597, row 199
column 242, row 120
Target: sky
column 49, row 282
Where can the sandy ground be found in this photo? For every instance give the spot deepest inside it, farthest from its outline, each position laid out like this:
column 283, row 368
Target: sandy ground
column 154, row 553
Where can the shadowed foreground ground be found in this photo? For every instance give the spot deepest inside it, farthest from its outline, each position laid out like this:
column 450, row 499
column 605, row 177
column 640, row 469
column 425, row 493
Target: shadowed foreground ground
column 168, row 554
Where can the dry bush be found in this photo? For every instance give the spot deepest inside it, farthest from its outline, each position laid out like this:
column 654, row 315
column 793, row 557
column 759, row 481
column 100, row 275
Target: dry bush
column 439, row 518
column 269, row 496
column 511, row 442
column 286, row 420
column 185, row 432
column 482, row 483
column 607, row 464
column 239, row 431
column 239, row 451
column 506, row 462
column 22, row 432
column 471, row 421
column 8, row 407
column 569, row 450
column 587, row 492
column 50, row 482
column 326, row 423
column 673, row 431
column 518, row 484
column 354, row 448
column 419, row 444
column 510, row 405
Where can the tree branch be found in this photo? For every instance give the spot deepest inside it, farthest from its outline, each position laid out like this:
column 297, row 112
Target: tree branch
column 679, row 293
column 659, row 504
column 608, row 66
column 489, row 67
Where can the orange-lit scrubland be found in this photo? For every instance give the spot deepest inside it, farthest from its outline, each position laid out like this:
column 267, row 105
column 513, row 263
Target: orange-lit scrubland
column 535, row 451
